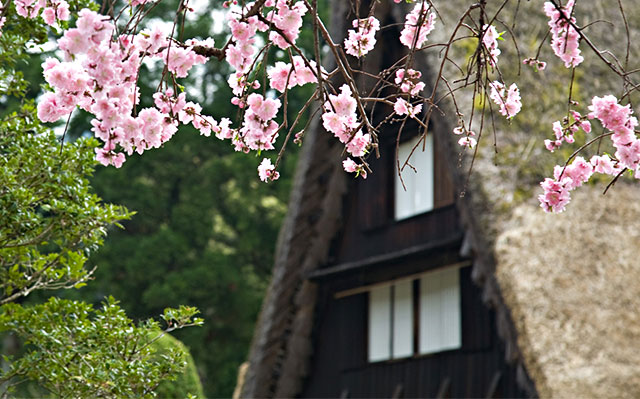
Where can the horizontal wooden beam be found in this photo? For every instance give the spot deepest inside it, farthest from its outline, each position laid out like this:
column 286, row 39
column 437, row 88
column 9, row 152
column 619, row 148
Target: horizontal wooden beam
column 349, row 267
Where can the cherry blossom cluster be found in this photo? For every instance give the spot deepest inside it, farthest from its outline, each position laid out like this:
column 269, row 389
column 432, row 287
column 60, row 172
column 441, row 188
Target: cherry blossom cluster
column 614, row 117
column 285, row 75
column 52, row 10
column 340, row 118
column 508, row 100
column 240, row 54
column 535, row 63
column 360, row 42
column 564, row 131
column 259, row 131
column 417, row 26
column 403, row 107
column 564, row 37
column 100, row 76
column 467, row 140
column 100, row 70
column 350, row 166
column 490, row 42
column 287, row 18
column 267, row 171
column 409, row 81
column 557, row 190
column 618, row 119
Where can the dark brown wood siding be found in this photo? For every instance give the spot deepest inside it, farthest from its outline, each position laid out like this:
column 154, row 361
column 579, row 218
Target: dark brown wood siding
column 339, row 365
column 369, row 228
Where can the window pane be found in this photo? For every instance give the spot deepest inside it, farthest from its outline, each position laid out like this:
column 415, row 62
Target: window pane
column 430, row 313
column 450, row 292
column 440, row 311
column 380, row 323
column 418, row 197
column 403, row 319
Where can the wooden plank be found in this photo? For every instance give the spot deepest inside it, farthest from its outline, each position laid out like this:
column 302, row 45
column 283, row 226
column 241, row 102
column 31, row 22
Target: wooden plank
column 398, row 391
column 373, row 199
column 444, row 390
column 493, row 386
column 444, row 190
column 366, row 288
column 477, row 321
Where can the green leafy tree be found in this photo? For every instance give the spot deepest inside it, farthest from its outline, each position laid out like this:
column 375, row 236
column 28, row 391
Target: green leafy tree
column 50, row 223
column 77, row 351
column 205, row 227
column 199, row 239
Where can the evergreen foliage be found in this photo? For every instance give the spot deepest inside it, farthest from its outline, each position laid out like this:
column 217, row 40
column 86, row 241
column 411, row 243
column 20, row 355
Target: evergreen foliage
column 50, row 223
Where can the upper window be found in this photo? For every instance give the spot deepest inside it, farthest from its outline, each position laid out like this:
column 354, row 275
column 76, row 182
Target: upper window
column 418, row 196
column 392, row 312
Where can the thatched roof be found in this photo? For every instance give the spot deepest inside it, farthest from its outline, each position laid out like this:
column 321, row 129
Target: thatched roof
column 282, row 344
column 572, row 282
column 563, row 286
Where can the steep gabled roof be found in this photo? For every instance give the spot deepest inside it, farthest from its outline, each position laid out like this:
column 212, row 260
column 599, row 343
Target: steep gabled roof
column 572, row 284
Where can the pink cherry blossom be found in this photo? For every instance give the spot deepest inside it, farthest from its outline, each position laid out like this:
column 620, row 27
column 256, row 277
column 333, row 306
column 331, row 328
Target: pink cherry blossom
column 555, row 196
column 409, row 81
column 340, row 116
column 535, row 63
column 287, row 17
column 50, row 109
column 612, row 115
column 604, row 164
column 468, row 142
column 360, row 42
column 490, row 42
column 267, row 172
column 564, row 37
column 402, row 107
column 414, row 32
column 508, row 102
column 358, row 144
column 350, row 166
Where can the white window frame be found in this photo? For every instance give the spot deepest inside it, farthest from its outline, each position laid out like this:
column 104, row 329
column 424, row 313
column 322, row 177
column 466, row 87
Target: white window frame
column 417, row 194
column 391, row 314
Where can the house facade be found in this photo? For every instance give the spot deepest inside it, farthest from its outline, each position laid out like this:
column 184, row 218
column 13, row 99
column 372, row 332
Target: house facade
column 378, row 291
column 397, row 312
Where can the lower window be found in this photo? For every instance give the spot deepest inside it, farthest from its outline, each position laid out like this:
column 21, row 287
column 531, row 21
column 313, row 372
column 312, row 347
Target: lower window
column 415, row 316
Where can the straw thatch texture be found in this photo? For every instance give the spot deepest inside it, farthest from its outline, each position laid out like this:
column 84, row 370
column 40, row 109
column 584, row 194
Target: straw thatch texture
column 572, row 282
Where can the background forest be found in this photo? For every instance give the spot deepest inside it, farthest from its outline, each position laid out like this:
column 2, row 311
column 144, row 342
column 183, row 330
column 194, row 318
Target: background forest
column 204, row 228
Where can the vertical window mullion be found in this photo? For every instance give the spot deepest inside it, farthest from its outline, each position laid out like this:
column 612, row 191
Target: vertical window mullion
column 416, row 316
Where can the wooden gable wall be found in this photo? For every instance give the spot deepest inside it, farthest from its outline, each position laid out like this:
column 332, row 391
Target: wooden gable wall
column 340, row 369
column 369, row 228
column 372, row 248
